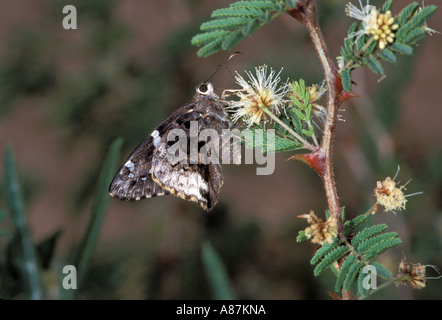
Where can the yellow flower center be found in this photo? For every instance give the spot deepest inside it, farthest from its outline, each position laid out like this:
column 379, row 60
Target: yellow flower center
column 266, row 98
column 381, row 26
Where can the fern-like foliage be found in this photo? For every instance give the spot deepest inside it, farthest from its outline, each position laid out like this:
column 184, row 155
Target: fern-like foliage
column 301, row 111
column 2, row 217
column 229, row 26
column 362, row 246
column 260, row 138
column 362, row 50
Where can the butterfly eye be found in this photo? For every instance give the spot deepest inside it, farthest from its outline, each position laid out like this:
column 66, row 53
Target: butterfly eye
column 203, row 88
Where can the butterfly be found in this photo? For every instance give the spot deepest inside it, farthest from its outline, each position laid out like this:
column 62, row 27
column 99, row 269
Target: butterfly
column 148, row 171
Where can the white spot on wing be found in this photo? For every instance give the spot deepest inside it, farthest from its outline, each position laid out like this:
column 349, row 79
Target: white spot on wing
column 156, row 137
column 155, row 134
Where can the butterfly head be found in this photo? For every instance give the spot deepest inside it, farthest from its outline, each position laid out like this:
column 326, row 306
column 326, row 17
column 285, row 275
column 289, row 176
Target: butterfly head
column 206, row 89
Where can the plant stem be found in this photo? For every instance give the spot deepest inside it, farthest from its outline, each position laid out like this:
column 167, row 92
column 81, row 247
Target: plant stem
column 388, row 283
column 290, row 130
column 372, row 209
column 306, row 14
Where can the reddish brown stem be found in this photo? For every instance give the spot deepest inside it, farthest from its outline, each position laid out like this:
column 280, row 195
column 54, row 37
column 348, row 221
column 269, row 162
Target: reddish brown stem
column 305, row 12
column 321, row 160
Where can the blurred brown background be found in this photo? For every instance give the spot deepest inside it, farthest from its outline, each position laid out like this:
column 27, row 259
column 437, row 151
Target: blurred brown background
column 66, row 94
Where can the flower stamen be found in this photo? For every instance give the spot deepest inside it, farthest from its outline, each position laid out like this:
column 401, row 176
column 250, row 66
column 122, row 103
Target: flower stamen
column 259, row 92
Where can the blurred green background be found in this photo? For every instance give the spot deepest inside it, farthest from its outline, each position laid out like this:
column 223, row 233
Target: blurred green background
column 65, row 95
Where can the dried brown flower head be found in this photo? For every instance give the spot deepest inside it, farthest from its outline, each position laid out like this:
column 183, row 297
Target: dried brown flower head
column 415, row 273
column 389, row 196
column 320, row 232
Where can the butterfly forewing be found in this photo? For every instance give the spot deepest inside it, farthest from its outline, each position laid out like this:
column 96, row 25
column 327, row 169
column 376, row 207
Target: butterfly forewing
column 148, row 171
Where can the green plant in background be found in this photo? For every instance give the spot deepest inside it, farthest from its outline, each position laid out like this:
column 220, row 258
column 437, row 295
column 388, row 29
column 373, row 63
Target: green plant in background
column 2, row 217
column 216, row 273
column 347, row 247
column 83, row 253
column 28, row 261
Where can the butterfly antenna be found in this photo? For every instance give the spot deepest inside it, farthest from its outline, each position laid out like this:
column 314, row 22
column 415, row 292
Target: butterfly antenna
column 223, row 66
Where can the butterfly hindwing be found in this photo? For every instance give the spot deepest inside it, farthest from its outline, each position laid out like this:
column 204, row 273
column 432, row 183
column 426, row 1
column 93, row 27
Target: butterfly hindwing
column 198, row 182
